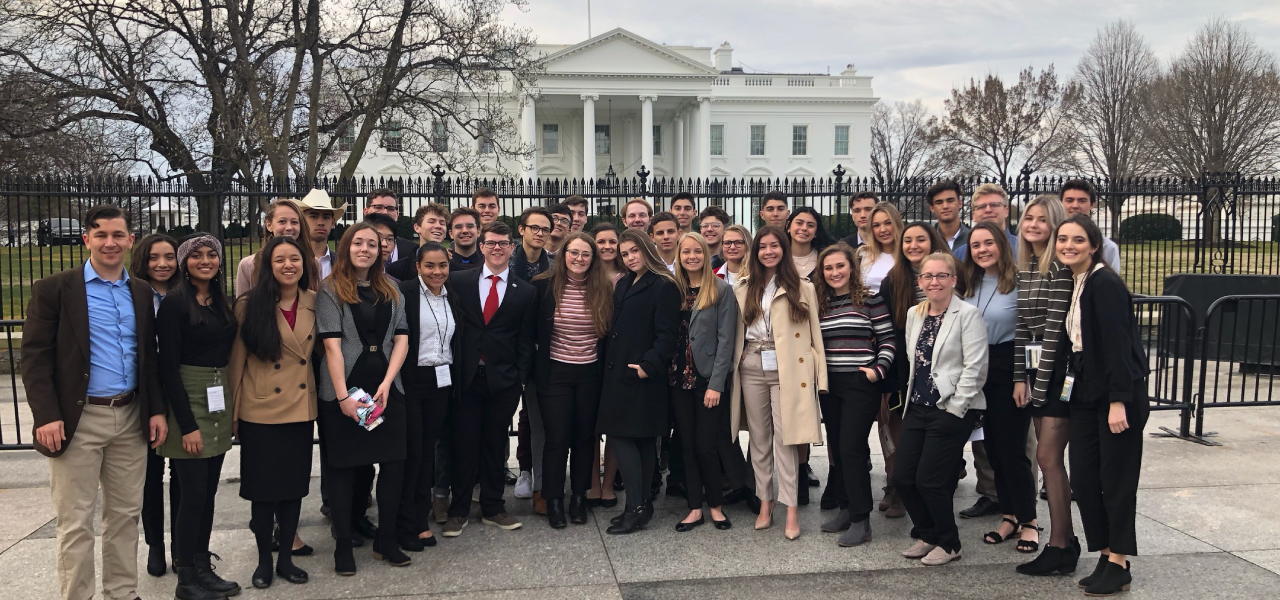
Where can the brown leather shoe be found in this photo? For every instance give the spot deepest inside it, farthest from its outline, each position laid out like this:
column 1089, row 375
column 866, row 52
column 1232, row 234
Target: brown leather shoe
column 502, row 521
column 887, row 500
column 896, row 509
column 440, row 508
column 539, row 503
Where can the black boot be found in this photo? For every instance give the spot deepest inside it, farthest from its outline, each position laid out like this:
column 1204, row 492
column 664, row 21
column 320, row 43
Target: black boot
column 189, row 589
column 555, row 513
column 1053, row 561
column 646, row 510
column 386, row 548
column 155, row 560
column 210, row 580
column 802, row 492
column 1114, row 579
column 1103, row 559
column 578, row 509
column 631, row 522
column 344, row 561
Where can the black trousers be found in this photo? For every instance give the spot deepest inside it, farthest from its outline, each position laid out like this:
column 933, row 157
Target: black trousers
column 831, row 414
column 426, row 408
column 199, row 480
column 570, row 404
column 636, row 459
column 855, row 404
column 924, row 472
column 348, row 497
column 480, row 422
column 703, row 432
column 1004, row 433
column 1104, row 470
column 153, row 501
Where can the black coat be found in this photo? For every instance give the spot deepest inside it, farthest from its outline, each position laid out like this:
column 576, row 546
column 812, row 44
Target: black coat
column 646, row 317
column 900, row 370
column 1114, row 367
column 506, row 341
column 412, row 290
column 542, row 336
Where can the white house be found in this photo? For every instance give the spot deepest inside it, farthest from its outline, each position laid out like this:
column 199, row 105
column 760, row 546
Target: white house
column 618, row 100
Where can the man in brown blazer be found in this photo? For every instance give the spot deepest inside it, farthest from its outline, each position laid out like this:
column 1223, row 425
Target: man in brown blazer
column 88, row 365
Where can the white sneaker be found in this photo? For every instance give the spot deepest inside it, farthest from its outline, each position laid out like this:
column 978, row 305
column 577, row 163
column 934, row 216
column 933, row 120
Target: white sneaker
column 938, row 557
column 524, row 485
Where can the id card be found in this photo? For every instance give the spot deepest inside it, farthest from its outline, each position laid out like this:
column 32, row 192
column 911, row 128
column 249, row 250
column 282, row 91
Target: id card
column 769, row 360
column 217, row 400
column 978, row 435
column 1067, row 384
column 1033, row 356
column 442, row 376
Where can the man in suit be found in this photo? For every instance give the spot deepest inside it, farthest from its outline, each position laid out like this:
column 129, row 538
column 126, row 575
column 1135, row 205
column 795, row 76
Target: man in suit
column 88, row 365
column 495, row 354
column 861, row 205
column 385, row 201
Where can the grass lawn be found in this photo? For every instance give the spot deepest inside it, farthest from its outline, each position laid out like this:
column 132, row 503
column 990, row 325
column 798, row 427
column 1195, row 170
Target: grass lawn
column 1146, row 264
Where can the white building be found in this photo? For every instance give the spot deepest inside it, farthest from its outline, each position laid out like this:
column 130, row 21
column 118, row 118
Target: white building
column 620, row 100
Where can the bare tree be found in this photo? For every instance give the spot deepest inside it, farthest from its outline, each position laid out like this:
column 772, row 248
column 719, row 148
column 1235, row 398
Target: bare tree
column 1114, row 76
column 1023, row 124
column 904, row 145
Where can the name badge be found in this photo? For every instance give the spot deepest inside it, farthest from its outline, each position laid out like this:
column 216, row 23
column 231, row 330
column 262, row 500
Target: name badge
column 217, row 400
column 1067, row 384
column 442, row 376
column 769, row 360
column 1033, row 355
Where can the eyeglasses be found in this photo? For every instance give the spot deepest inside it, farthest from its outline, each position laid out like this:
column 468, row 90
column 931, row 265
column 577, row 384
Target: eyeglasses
column 734, row 244
column 535, row 230
column 388, row 239
column 578, row 254
column 712, row 225
column 939, row 277
column 503, row 245
column 383, row 208
column 562, row 221
column 989, row 205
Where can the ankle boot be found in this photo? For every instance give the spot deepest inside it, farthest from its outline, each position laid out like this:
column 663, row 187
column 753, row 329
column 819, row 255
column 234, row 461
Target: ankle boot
column 1052, row 561
column 155, row 560
column 189, row 589
column 1114, row 579
column 555, row 513
column 1103, row 559
column 344, row 561
column 631, row 522
column 646, row 513
column 386, row 548
column 578, row 509
column 210, row 580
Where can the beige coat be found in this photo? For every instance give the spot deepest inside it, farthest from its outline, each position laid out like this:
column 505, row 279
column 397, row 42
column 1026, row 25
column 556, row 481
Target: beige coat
column 802, row 366
column 283, row 391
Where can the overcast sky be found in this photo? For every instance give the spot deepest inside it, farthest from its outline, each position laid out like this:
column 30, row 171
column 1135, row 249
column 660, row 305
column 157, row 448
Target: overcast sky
column 913, row 48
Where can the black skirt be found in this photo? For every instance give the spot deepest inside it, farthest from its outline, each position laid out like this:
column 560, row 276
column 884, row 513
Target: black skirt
column 347, row 444
column 1054, row 407
column 275, row 461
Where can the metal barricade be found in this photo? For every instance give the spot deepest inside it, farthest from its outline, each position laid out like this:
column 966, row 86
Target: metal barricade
column 11, row 432
column 1168, row 333
column 1239, row 331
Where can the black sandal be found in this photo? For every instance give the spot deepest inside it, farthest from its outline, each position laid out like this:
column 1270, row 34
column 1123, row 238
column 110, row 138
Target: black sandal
column 995, row 535
column 1028, row 546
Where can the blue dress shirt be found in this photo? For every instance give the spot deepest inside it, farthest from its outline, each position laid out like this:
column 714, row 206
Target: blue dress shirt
column 113, row 335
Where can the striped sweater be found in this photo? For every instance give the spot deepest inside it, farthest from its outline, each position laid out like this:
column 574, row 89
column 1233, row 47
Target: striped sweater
column 1042, row 308
column 858, row 336
column 573, row 338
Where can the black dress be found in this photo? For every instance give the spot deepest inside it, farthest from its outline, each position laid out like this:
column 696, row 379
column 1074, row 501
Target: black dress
column 349, row 444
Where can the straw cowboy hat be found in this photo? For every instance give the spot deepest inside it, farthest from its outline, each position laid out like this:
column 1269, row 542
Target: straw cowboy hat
column 318, row 199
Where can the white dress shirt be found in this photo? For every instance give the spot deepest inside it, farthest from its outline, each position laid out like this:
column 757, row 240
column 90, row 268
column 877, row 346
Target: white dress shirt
column 435, row 328
column 326, row 263
column 761, row 330
column 485, row 283
column 873, row 273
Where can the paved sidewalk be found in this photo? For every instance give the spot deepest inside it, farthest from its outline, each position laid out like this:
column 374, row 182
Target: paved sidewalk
column 1207, row 529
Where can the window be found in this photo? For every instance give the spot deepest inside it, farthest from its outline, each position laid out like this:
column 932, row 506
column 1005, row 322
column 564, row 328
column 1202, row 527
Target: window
column 842, row 140
column 347, row 141
column 393, row 136
column 602, row 139
column 550, row 138
column 439, row 137
column 717, row 140
column 799, row 140
column 757, row 140
column 657, row 140
column 486, row 139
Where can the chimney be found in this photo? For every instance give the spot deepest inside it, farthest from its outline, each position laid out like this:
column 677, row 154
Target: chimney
column 724, row 58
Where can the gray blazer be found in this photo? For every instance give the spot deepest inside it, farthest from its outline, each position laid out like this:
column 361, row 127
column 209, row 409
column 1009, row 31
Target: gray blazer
column 711, row 334
column 333, row 316
column 959, row 357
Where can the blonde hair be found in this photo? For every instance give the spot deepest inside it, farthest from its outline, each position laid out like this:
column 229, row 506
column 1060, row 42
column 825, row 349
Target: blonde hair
column 1054, row 214
column 872, row 249
column 707, row 292
column 988, row 189
column 746, row 249
column 952, row 265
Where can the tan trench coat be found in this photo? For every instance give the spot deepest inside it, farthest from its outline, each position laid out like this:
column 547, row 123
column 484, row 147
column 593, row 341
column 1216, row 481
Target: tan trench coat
column 802, row 366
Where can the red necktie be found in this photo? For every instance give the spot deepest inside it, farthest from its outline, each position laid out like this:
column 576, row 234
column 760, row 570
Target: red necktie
column 491, row 302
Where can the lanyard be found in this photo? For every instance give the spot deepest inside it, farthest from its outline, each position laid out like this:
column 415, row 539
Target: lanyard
column 427, row 296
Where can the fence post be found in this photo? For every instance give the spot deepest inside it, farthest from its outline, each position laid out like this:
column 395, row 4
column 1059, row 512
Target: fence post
column 437, row 184
column 221, row 186
column 643, row 174
column 838, row 188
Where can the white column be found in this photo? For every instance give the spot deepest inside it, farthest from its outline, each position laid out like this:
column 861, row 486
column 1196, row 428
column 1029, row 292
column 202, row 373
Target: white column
column 678, row 162
column 589, row 135
column 704, row 136
column 529, row 136
column 646, row 131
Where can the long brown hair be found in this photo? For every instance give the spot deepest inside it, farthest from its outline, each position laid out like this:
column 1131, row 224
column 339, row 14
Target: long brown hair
column 142, row 256
column 858, row 291
column 599, row 292
column 343, row 278
column 304, row 239
column 1008, row 279
column 903, row 278
column 788, row 278
column 706, row 284
column 649, row 252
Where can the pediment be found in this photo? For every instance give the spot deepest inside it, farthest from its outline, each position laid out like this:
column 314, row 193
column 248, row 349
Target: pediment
column 393, row 170
column 758, row 172
column 799, row 172
column 621, row 52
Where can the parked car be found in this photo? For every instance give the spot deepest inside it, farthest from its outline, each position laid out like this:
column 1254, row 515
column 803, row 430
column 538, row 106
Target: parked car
column 59, row 232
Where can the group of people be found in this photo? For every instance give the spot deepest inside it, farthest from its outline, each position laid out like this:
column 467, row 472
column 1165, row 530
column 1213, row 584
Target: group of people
column 666, row 338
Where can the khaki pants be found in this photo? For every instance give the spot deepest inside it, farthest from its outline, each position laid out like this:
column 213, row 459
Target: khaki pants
column 763, row 402
column 108, row 449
